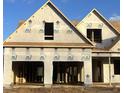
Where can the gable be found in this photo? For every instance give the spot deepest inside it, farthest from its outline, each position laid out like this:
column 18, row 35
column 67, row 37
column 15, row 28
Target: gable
column 64, row 31
column 115, row 46
column 94, row 20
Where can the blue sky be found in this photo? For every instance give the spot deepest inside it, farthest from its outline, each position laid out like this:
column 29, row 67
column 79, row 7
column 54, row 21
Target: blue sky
column 15, row 10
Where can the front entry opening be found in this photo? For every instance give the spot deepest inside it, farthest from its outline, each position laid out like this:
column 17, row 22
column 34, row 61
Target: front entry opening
column 28, row 72
column 68, row 72
column 97, row 68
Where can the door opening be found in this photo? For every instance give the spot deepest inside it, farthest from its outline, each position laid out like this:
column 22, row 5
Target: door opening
column 97, row 69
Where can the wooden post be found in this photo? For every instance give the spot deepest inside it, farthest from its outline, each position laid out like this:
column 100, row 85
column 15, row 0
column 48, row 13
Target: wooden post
column 92, row 36
column 109, row 71
column 66, row 78
column 58, row 73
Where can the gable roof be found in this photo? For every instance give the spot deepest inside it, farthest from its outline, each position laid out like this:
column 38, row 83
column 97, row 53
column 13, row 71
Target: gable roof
column 95, row 11
column 78, row 32
column 65, row 18
column 114, row 42
column 116, row 24
column 75, row 22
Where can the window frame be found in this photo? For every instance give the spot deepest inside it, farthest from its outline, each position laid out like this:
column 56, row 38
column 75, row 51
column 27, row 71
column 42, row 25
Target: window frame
column 93, row 37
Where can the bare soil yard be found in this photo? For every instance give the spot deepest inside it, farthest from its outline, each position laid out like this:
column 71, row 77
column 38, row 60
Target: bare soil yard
column 62, row 90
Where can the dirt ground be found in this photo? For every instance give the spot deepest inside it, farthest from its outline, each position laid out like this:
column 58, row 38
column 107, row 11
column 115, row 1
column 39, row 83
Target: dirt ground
column 63, row 90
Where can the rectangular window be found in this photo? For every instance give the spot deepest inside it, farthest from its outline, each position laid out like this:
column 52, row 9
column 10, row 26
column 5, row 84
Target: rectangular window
column 95, row 35
column 89, row 34
column 117, row 67
column 49, row 31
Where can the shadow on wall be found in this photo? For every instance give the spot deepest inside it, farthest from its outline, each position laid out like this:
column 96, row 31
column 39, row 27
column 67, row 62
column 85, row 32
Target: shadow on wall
column 105, row 43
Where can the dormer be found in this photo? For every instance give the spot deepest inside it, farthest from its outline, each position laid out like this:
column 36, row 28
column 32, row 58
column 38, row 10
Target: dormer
column 97, row 29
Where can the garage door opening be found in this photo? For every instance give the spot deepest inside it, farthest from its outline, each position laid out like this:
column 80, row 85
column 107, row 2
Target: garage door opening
column 28, row 72
column 68, row 73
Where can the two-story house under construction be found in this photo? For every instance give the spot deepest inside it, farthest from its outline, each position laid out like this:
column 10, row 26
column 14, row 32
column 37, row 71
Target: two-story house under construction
column 48, row 49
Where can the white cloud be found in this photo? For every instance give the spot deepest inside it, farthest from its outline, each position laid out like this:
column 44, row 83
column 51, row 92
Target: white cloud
column 114, row 17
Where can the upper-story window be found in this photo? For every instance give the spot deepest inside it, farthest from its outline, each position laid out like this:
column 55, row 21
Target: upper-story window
column 49, row 31
column 95, row 35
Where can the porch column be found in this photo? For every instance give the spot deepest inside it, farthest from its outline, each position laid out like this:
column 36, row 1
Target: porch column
column 87, row 67
column 110, row 71
column 48, row 72
column 87, row 72
column 82, row 74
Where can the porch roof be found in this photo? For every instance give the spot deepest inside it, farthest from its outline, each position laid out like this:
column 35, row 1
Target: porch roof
column 100, row 50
